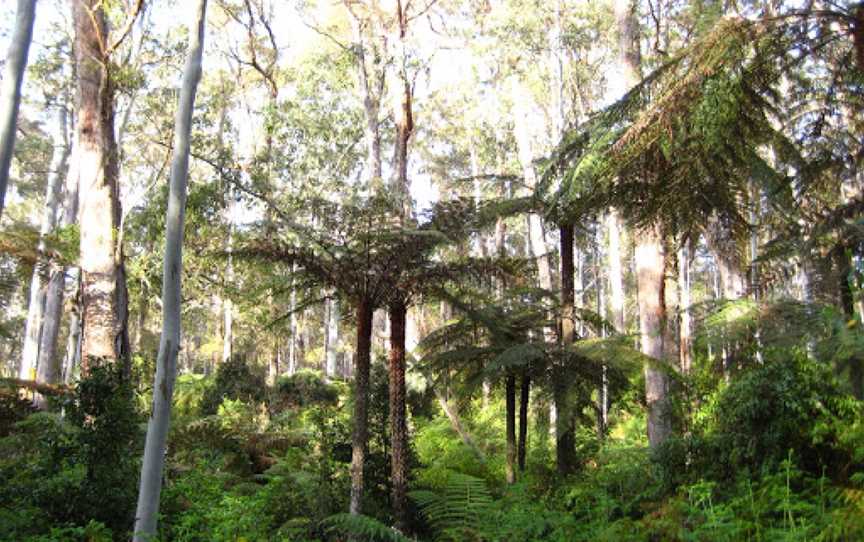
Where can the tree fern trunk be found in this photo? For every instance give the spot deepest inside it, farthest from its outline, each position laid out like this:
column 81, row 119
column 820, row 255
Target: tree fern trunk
column 525, row 394
column 361, row 398
column 398, row 424
column 565, row 444
column 510, row 399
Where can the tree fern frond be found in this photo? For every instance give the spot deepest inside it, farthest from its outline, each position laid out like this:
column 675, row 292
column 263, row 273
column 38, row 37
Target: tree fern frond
column 362, row 528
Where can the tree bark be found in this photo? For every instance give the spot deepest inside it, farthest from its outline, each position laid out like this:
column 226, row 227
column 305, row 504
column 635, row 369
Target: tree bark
column 521, row 114
column 398, row 423
column 524, row 397
column 169, row 344
column 38, row 292
column 510, row 399
column 650, row 265
column 616, row 275
column 565, row 446
column 332, row 346
column 104, row 330
column 685, row 338
column 10, row 88
column 72, row 359
column 360, row 435
column 371, row 81
column 47, row 363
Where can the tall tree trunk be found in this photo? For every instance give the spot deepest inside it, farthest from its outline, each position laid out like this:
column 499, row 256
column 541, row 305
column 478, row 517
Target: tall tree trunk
column 72, row 359
column 371, row 79
column 398, row 424
column 169, row 343
column 510, row 400
column 565, row 445
column 332, row 346
column 402, row 113
column 104, row 332
column 685, row 338
column 360, row 435
column 48, row 363
column 227, row 303
column 38, row 293
column 650, row 266
column 524, row 397
column 522, row 114
column 10, row 88
column 616, row 275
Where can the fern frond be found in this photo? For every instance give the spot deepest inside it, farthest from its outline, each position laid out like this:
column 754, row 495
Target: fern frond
column 362, row 528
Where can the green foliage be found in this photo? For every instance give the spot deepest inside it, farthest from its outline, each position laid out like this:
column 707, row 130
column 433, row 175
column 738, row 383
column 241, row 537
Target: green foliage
column 235, row 379
column 76, row 470
column 362, row 528
column 458, row 510
column 300, row 390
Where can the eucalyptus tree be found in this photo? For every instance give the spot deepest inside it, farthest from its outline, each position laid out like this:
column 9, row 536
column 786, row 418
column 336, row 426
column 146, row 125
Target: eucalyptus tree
column 10, row 91
column 169, row 344
column 103, row 282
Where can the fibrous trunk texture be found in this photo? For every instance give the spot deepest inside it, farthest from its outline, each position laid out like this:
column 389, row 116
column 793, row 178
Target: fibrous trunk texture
column 169, row 343
column 565, row 446
column 524, row 396
column 398, row 423
column 510, row 400
column 103, row 288
column 361, row 399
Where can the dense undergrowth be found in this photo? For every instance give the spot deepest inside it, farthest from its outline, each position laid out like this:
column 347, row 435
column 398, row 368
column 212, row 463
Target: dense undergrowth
column 774, row 454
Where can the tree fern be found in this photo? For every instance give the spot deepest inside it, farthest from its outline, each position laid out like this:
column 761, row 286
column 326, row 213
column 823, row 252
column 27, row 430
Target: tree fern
column 362, row 528
column 464, row 505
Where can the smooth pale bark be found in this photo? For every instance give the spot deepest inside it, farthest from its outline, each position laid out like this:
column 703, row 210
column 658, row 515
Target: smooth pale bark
column 650, row 265
column 227, row 304
column 398, row 423
column 685, row 335
column 522, row 116
column 510, row 407
column 49, row 367
column 614, row 230
column 524, row 397
column 169, row 343
column 39, row 287
column 603, row 388
column 331, row 348
column 72, row 359
column 371, row 82
column 10, row 88
column 360, row 435
column 725, row 250
column 565, row 445
column 104, row 330
column 292, row 327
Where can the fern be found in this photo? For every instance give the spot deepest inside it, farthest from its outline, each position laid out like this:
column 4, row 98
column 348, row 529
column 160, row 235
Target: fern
column 360, row 527
column 463, row 506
